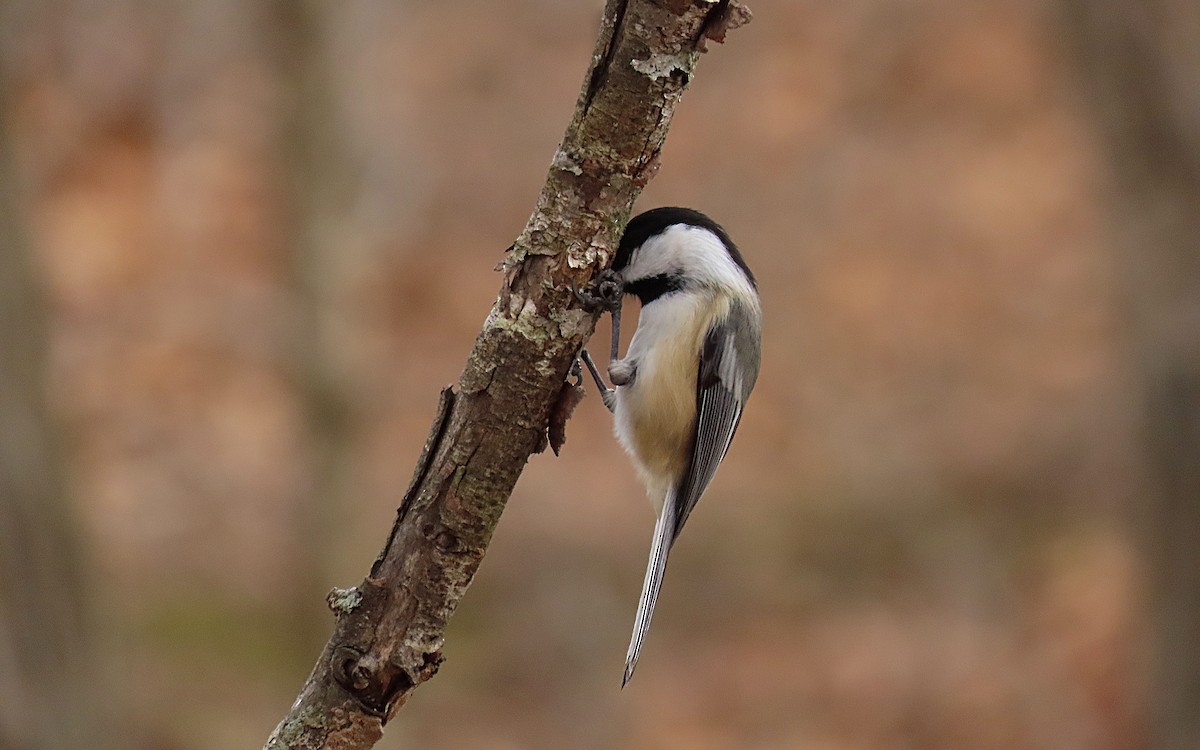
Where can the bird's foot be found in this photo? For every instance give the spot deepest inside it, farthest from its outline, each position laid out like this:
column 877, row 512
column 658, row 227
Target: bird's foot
column 604, row 293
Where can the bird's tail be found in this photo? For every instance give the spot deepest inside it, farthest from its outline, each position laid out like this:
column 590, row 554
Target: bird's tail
column 664, row 534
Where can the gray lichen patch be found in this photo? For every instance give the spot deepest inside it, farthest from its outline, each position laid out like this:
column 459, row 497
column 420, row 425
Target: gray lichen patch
column 293, row 730
column 564, row 162
column 344, row 601
column 581, row 255
column 663, row 65
column 524, row 320
column 572, row 323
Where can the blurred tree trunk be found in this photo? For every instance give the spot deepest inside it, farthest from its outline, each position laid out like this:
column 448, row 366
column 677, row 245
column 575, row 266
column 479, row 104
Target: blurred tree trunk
column 48, row 696
column 316, row 183
column 1141, row 64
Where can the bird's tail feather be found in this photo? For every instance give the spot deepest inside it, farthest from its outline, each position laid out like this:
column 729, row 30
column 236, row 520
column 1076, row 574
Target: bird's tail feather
column 664, row 533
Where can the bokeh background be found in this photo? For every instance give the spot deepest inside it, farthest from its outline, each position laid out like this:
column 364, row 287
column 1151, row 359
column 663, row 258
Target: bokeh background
column 245, row 243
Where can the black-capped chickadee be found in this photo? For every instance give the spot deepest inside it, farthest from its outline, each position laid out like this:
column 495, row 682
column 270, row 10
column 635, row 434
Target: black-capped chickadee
column 687, row 374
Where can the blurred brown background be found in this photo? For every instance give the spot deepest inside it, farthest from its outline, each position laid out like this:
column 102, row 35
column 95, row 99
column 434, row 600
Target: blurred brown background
column 246, row 243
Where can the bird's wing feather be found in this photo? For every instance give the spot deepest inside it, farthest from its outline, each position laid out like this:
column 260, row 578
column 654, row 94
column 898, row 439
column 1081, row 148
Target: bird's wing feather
column 728, row 368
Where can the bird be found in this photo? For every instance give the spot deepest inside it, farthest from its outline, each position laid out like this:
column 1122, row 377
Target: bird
column 680, row 389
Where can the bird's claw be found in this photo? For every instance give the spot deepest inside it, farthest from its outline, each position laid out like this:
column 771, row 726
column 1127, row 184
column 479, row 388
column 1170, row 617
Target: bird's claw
column 610, row 399
column 604, row 293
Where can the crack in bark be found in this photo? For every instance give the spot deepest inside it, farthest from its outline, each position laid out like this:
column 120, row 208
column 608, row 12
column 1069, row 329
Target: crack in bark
column 437, row 431
column 599, row 74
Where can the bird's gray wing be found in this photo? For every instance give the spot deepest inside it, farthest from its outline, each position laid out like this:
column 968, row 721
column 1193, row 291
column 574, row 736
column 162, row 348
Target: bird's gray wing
column 728, row 368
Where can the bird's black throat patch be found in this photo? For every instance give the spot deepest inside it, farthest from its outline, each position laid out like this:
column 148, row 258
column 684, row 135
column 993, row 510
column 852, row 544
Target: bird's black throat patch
column 652, row 287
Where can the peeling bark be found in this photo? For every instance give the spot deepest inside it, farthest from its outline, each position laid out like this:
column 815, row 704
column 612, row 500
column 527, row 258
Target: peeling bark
column 389, row 630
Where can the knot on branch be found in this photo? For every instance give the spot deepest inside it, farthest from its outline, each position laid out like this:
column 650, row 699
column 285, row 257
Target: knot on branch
column 355, row 670
column 441, row 537
column 380, row 685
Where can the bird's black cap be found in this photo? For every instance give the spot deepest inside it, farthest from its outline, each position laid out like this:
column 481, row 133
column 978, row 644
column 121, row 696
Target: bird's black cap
column 645, row 225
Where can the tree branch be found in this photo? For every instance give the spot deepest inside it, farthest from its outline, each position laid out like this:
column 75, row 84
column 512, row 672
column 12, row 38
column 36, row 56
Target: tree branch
column 389, row 630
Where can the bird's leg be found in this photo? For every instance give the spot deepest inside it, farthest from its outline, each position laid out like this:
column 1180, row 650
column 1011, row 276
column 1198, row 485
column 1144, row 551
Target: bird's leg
column 615, row 312
column 605, row 293
column 607, row 395
column 620, row 371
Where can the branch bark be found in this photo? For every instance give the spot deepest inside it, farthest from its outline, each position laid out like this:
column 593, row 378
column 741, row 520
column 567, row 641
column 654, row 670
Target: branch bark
column 389, row 631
